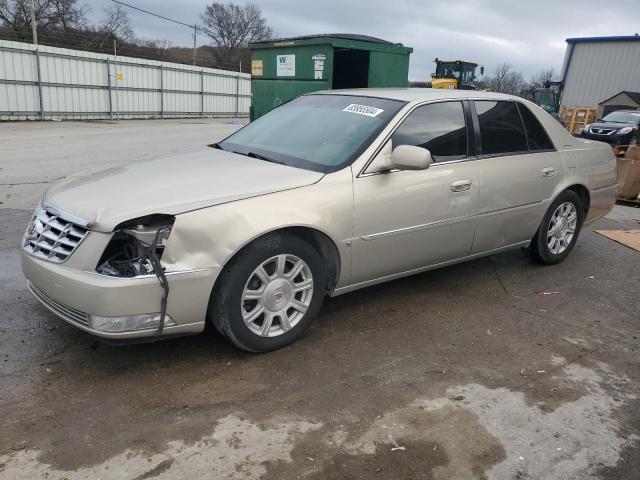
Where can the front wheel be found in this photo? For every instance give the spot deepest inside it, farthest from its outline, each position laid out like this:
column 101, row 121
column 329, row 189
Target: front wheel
column 559, row 229
column 269, row 293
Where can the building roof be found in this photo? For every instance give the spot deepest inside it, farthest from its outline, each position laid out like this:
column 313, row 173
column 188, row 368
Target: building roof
column 635, row 96
column 622, row 38
column 345, row 40
column 344, row 36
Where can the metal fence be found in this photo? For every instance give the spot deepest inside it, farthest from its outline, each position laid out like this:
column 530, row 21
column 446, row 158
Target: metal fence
column 58, row 83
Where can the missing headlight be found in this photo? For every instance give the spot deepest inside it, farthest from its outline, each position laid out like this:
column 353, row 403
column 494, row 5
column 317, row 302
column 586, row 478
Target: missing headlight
column 129, row 253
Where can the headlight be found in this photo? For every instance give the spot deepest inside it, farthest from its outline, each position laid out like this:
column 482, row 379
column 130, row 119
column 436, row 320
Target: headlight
column 129, row 252
column 625, row 130
column 587, row 128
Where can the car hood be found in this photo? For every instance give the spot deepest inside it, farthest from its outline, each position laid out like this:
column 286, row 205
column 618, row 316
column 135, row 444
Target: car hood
column 170, row 185
column 612, row 125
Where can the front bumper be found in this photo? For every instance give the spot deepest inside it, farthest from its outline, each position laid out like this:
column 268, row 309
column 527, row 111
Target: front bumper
column 612, row 139
column 74, row 295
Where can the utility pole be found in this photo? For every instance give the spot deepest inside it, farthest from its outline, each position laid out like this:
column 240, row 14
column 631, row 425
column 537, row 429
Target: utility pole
column 195, row 30
column 34, row 27
column 115, row 71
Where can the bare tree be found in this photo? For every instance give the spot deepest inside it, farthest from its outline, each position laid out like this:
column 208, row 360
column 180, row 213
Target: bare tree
column 233, row 27
column 542, row 77
column 506, row 80
column 115, row 24
column 64, row 15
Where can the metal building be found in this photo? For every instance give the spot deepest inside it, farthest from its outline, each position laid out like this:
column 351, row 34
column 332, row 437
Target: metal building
column 597, row 68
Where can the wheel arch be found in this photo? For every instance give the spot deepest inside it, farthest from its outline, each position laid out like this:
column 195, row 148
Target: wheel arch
column 583, row 193
column 324, row 244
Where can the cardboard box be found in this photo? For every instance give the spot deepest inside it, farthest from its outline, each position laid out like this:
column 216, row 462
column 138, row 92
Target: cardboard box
column 629, row 174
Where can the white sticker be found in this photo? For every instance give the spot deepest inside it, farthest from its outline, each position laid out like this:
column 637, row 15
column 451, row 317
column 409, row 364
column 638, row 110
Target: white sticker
column 363, row 110
column 286, row 66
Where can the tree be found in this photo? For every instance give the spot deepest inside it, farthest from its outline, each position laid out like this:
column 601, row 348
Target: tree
column 114, row 26
column 542, row 77
column 232, row 28
column 64, row 15
column 506, row 80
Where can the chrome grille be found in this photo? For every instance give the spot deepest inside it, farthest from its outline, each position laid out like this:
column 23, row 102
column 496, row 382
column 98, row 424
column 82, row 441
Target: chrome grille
column 603, row 131
column 66, row 313
column 49, row 236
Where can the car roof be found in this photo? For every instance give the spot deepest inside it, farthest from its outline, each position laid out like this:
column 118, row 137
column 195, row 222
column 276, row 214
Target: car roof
column 418, row 94
column 625, row 111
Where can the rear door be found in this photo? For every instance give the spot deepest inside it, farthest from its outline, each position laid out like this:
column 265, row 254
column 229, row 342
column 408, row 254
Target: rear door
column 519, row 170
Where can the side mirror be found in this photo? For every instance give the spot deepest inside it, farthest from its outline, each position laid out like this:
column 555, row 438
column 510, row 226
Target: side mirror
column 409, row 157
column 481, row 70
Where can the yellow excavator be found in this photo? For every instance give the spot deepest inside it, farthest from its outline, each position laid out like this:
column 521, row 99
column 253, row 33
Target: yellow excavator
column 455, row 74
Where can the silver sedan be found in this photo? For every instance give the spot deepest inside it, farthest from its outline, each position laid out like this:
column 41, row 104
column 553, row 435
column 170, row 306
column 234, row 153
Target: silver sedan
column 331, row 192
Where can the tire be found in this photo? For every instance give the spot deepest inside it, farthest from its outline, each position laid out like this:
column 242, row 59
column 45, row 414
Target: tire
column 282, row 307
column 550, row 248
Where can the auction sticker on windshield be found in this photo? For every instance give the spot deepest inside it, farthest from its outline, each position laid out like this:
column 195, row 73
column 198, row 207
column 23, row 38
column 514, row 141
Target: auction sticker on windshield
column 363, row 110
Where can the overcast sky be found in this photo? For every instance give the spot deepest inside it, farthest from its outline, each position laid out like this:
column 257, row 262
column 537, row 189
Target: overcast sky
column 530, row 35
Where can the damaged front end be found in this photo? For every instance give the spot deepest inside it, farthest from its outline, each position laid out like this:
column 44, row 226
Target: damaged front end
column 135, row 250
column 133, row 246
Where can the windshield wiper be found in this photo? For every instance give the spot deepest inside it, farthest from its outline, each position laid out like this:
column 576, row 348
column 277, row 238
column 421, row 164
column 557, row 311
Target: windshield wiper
column 256, row 155
column 262, row 157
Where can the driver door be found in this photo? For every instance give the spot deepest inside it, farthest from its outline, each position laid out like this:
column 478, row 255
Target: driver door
column 408, row 220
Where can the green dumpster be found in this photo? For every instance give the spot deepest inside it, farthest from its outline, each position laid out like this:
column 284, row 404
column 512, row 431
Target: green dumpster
column 288, row 67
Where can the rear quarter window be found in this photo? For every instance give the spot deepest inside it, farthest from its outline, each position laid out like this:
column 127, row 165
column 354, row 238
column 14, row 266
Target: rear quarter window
column 537, row 137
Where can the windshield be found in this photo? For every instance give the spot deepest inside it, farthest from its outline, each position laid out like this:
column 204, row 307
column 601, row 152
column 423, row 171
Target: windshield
column 323, row 133
column 623, row 117
column 545, row 98
column 465, row 72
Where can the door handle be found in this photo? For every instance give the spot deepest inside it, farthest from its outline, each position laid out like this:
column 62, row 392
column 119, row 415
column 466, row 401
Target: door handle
column 548, row 172
column 461, row 186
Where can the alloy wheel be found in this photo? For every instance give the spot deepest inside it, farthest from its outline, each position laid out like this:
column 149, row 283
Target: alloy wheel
column 277, row 295
column 562, row 228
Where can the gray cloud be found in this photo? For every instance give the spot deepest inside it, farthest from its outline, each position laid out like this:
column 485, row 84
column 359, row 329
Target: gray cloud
column 529, row 35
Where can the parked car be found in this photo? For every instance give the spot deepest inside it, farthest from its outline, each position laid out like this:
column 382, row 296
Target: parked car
column 331, row 192
column 621, row 127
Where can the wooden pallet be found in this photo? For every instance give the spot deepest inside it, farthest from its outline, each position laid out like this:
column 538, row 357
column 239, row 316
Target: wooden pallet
column 576, row 118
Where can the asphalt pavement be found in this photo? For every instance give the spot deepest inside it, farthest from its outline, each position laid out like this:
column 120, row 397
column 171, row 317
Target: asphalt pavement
column 492, row 369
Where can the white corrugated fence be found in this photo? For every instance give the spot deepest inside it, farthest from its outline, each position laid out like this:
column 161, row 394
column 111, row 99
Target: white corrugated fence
column 59, row 83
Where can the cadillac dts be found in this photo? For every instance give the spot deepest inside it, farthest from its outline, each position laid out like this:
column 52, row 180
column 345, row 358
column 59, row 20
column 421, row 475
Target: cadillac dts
column 330, row 192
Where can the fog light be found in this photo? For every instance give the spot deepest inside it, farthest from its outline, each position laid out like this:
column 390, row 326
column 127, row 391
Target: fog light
column 145, row 321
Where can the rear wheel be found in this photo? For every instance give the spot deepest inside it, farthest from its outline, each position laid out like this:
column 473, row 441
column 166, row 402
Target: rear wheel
column 269, row 293
column 559, row 229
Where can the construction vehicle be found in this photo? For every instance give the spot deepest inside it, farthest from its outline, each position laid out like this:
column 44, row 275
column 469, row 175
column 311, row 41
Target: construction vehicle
column 547, row 97
column 455, row 74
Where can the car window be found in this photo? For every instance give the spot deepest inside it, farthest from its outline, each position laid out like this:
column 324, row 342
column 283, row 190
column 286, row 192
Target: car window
column 537, row 137
column 501, row 128
column 438, row 127
column 622, row 117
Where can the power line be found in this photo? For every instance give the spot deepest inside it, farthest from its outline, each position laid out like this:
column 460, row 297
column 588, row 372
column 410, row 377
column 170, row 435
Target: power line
column 194, row 26
column 156, row 15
